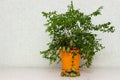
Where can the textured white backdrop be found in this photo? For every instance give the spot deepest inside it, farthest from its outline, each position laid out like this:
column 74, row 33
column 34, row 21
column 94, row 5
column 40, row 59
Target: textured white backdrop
column 22, row 33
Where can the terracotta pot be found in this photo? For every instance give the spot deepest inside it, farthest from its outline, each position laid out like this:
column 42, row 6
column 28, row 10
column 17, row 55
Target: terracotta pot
column 68, row 61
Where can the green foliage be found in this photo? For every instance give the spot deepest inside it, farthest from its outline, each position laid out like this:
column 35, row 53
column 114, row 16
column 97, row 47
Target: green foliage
column 73, row 29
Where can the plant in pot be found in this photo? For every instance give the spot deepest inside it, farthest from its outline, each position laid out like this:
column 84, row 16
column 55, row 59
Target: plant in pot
column 73, row 39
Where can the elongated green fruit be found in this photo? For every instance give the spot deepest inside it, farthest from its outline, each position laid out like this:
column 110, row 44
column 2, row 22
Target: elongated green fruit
column 72, row 74
column 69, row 70
column 68, row 49
column 67, row 74
column 78, row 74
column 64, row 48
column 62, row 74
column 71, row 43
column 74, row 70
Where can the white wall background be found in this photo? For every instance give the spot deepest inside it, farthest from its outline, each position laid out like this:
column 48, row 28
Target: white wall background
column 22, row 33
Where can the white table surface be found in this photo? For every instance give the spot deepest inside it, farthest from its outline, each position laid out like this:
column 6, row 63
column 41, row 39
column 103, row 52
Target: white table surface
column 54, row 74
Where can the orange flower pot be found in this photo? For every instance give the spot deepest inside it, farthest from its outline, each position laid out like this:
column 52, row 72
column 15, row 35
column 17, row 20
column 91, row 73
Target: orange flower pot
column 68, row 61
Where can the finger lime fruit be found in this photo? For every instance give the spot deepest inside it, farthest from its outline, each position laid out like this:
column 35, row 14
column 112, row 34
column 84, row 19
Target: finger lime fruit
column 73, row 70
column 68, row 49
column 71, row 43
column 62, row 74
column 69, row 70
column 72, row 74
column 67, row 74
column 64, row 48
column 78, row 74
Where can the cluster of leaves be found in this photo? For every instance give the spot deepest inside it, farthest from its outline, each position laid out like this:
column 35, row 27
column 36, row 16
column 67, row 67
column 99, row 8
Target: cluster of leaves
column 74, row 29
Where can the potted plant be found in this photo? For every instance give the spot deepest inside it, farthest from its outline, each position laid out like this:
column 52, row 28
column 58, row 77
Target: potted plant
column 73, row 39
